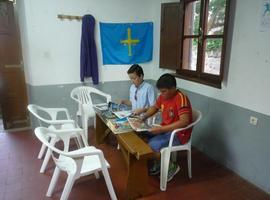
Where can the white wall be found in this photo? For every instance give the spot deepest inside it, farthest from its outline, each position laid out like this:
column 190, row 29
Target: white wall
column 53, row 47
column 249, row 66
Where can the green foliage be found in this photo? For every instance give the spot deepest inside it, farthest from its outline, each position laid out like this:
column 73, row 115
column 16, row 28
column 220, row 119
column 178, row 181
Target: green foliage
column 214, row 45
column 215, row 5
column 216, row 14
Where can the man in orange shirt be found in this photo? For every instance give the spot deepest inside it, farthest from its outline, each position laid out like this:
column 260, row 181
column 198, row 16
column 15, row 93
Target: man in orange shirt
column 176, row 113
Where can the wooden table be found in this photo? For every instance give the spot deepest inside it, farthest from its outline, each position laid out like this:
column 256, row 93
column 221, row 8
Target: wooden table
column 136, row 153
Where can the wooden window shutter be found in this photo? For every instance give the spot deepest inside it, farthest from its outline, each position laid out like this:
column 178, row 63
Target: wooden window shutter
column 170, row 36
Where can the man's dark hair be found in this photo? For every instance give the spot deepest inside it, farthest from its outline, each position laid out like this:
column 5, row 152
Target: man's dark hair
column 137, row 69
column 166, row 81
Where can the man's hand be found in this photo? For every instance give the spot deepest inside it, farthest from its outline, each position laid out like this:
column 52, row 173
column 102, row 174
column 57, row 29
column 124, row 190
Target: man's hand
column 138, row 111
column 156, row 130
column 120, row 101
column 123, row 101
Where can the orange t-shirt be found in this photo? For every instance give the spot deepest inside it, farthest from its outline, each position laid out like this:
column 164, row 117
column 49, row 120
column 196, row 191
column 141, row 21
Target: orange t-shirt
column 172, row 109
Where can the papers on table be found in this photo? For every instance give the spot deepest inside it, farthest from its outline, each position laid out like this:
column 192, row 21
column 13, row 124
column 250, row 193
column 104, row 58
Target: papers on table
column 119, row 126
column 123, row 114
column 101, row 106
column 138, row 125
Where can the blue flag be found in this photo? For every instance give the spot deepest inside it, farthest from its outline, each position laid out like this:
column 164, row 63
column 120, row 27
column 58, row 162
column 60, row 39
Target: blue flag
column 126, row 43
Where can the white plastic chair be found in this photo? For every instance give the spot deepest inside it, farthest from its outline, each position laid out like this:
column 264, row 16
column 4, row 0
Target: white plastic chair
column 155, row 119
column 47, row 117
column 82, row 95
column 77, row 163
column 166, row 152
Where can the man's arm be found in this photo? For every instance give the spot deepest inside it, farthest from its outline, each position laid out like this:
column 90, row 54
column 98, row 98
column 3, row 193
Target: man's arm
column 139, row 111
column 181, row 123
column 150, row 112
column 126, row 102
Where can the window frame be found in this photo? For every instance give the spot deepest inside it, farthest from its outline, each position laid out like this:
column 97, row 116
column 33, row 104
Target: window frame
column 198, row 75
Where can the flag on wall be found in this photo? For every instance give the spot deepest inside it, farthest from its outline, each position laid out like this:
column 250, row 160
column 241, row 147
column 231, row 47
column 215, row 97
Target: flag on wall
column 126, row 43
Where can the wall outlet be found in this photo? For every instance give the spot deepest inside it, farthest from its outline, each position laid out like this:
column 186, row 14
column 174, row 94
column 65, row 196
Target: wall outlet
column 253, row 120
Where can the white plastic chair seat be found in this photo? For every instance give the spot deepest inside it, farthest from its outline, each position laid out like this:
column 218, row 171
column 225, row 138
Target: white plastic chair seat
column 65, row 127
column 66, row 164
column 91, row 164
column 61, row 126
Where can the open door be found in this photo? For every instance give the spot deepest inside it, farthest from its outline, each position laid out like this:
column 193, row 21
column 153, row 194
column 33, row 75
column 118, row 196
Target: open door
column 13, row 96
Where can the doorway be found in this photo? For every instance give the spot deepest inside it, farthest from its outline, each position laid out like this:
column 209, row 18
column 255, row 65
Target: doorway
column 1, row 121
column 12, row 81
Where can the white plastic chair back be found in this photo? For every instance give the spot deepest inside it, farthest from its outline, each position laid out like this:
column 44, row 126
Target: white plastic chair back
column 82, row 95
column 77, row 163
column 63, row 135
column 47, row 117
column 51, row 115
column 196, row 117
column 166, row 152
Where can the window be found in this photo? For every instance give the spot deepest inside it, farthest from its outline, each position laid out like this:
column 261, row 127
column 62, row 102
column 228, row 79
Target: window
column 201, row 29
column 14, row 1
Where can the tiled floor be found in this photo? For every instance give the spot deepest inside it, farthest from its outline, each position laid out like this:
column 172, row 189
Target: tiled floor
column 20, row 177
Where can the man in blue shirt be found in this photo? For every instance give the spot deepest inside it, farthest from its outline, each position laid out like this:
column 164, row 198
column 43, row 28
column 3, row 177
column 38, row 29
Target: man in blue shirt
column 141, row 93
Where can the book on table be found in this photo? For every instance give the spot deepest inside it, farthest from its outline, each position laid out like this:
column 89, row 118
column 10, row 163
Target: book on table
column 114, row 107
column 120, row 110
column 119, row 125
column 108, row 114
column 101, row 106
column 113, row 110
column 111, row 106
column 138, row 125
column 123, row 114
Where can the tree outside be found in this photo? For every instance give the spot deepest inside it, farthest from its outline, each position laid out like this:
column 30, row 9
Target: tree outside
column 215, row 26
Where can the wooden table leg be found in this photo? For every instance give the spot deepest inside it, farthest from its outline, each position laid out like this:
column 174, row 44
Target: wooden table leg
column 137, row 184
column 137, row 180
column 101, row 130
